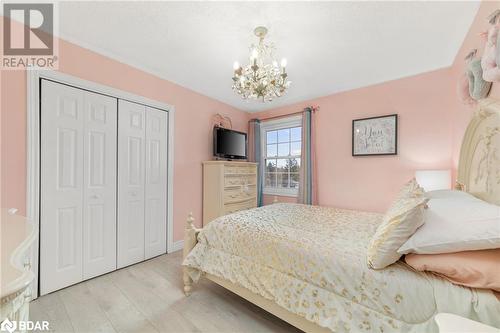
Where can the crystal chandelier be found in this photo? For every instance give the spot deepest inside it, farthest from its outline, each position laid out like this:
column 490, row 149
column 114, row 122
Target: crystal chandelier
column 263, row 78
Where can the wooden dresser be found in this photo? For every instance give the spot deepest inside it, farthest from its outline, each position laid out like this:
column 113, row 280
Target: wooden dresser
column 228, row 187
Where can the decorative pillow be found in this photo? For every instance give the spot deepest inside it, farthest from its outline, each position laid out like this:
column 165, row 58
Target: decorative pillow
column 477, row 269
column 411, row 189
column 455, row 221
column 478, row 88
column 398, row 224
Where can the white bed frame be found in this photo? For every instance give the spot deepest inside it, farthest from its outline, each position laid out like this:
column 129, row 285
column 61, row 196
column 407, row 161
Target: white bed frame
column 479, row 166
column 190, row 240
column 478, row 174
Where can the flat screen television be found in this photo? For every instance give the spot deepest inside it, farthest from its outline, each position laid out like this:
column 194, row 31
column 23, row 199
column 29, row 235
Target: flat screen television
column 230, row 144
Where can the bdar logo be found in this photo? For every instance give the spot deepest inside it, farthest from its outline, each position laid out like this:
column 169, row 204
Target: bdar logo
column 8, row 326
column 28, row 29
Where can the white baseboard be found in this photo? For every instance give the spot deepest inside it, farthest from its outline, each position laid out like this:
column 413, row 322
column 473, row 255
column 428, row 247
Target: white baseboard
column 177, row 246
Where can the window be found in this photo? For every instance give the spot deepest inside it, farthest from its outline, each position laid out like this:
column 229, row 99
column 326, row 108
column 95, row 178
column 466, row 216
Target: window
column 282, row 150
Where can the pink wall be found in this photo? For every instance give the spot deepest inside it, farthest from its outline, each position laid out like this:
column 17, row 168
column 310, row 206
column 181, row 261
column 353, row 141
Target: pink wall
column 192, row 139
column 462, row 113
column 432, row 125
column 370, row 183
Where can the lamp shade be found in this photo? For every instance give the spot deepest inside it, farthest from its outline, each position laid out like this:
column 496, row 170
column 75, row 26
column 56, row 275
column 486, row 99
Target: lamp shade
column 432, row 180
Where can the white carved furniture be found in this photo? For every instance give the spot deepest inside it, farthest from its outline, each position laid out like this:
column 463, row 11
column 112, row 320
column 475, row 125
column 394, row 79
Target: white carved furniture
column 228, row 187
column 17, row 236
column 478, row 174
column 479, row 166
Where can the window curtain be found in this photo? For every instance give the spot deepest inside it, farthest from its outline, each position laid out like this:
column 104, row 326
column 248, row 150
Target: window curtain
column 255, row 154
column 307, row 182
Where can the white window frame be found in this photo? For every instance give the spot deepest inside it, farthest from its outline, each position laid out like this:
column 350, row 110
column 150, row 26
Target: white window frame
column 273, row 125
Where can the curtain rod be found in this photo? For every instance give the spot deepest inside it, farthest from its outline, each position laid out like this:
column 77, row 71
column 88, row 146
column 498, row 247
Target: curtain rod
column 280, row 116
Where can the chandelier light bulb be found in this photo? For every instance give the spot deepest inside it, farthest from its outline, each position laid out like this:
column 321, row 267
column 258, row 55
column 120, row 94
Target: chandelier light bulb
column 275, row 63
column 236, row 65
column 283, row 62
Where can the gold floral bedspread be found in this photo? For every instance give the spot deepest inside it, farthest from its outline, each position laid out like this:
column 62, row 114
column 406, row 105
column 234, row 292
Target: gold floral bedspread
column 312, row 261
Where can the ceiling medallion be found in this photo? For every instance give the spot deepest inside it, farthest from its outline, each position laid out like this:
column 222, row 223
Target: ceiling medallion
column 263, row 78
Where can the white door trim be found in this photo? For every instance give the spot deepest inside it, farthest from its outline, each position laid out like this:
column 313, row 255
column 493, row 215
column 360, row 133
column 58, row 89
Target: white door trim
column 33, row 77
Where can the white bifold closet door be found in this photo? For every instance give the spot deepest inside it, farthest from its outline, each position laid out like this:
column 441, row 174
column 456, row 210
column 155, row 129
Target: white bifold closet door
column 131, row 158
column 155, row 226
column 78, row 185
column 142, row 182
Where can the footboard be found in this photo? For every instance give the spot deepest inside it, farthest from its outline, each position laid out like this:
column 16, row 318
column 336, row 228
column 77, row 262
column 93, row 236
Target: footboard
column 190, row 240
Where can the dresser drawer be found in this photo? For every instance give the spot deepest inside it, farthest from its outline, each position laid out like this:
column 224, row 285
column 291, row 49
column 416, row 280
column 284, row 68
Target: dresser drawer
column 238, row 180
column 240, row 193
column 239, row 169
column 230, row 208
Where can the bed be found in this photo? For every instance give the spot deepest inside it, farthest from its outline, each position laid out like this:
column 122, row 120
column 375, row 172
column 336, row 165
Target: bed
column 307, row 264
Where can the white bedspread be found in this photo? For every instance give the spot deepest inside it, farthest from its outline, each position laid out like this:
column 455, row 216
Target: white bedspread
column 312, row 261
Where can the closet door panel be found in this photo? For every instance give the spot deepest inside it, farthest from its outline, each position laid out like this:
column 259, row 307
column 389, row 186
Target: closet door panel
column 156, row 182
column 61, row 206
column 99, row 215
column 131, row 158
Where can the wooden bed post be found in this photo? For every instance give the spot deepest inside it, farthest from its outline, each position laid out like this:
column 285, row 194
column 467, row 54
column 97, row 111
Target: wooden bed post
column 189, row 243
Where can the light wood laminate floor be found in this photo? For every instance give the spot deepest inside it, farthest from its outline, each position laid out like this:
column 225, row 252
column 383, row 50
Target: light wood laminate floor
column 148, row 297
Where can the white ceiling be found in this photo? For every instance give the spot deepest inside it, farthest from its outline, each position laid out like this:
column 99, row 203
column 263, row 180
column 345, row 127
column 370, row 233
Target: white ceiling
column 330, row 46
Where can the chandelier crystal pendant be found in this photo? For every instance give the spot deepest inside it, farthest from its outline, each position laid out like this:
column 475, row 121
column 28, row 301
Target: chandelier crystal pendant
column 263, row 78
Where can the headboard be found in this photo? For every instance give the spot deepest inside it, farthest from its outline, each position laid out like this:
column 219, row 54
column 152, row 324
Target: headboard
column 479, row 166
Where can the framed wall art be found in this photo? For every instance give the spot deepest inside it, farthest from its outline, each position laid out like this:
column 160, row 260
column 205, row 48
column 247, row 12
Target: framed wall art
column 375, row 136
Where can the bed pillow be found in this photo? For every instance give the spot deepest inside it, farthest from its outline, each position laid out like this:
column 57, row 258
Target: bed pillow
column 476, row 269
column 454, row 222
column 448, row 194
column 398, row 224
column 410, row 189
